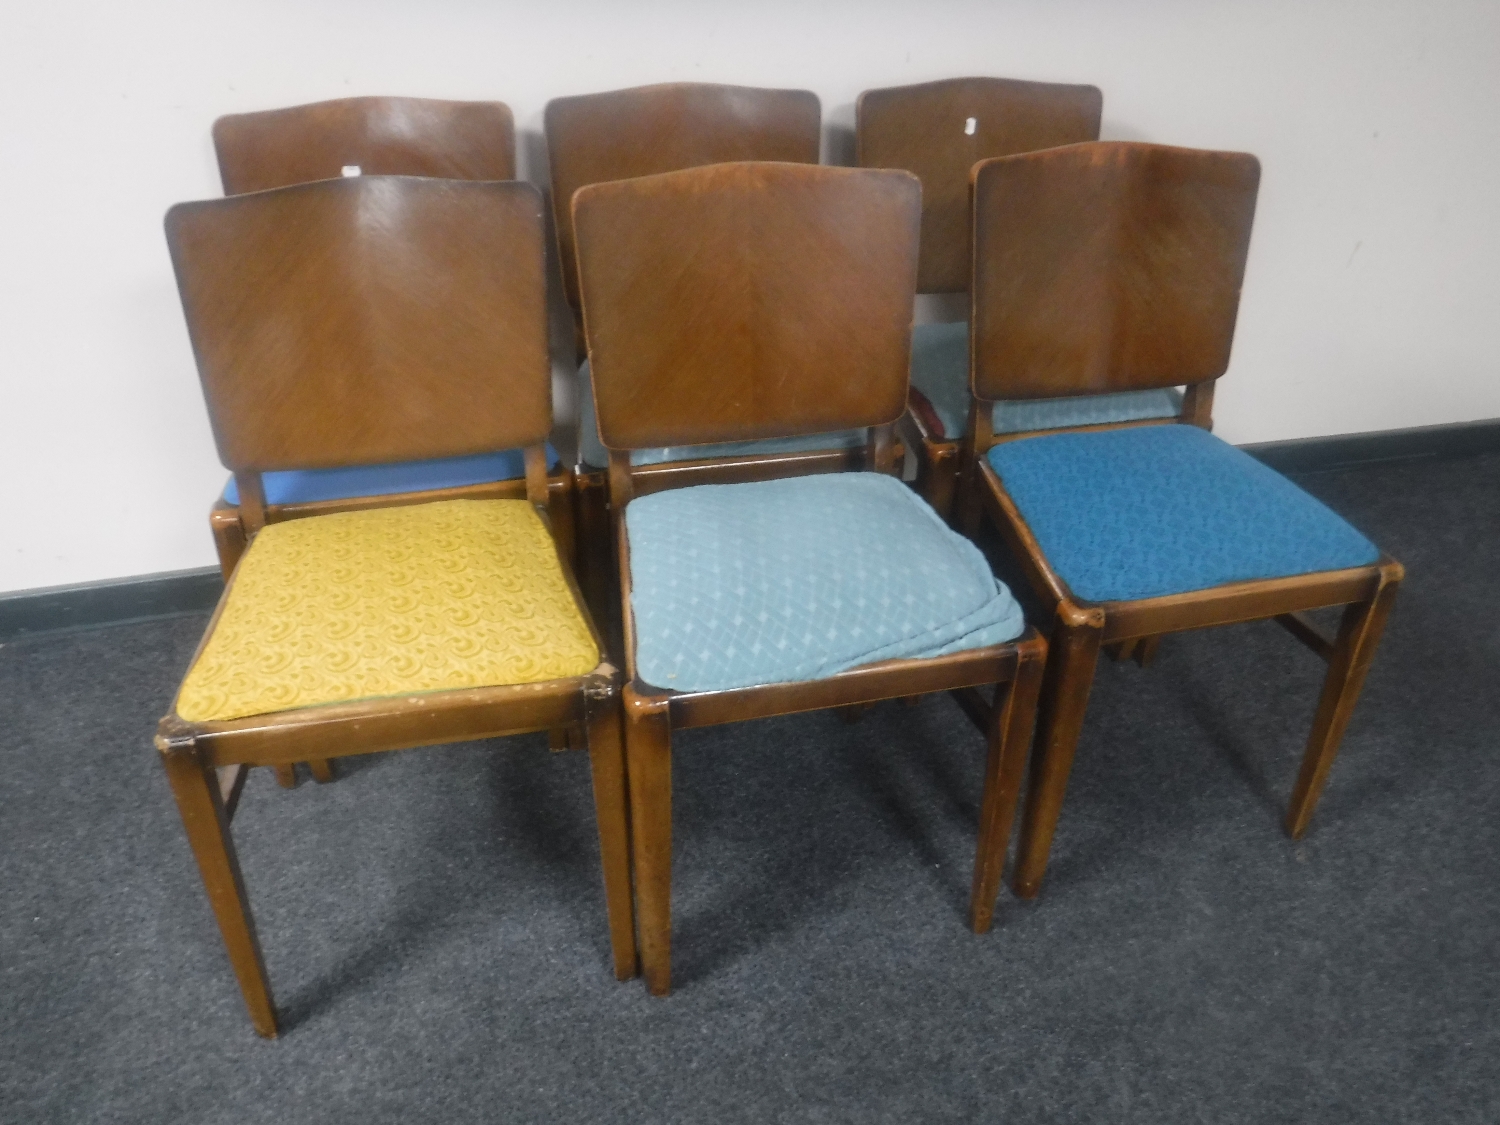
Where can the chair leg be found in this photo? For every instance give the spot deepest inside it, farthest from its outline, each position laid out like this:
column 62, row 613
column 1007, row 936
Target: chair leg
column 648, row 756
column 286, row 775
column 1121, row 651
column 196, row 788
column 607, row 763
column 595, row 555
column 942, row 477
column 1009, row 733
column 1145, row 650
column 1353, row 651
column 1073, row 654
column 322, row 770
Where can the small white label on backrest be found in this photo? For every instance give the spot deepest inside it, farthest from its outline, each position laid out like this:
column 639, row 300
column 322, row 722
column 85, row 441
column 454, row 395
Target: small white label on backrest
column 969, row 126
column 353, row 169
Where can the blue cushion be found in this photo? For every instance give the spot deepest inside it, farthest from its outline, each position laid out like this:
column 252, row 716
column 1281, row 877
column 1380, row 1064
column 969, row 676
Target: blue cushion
column 940, row 370
column 1153, row 510
column 797, row 579
column 307, row 486
column 591, row 451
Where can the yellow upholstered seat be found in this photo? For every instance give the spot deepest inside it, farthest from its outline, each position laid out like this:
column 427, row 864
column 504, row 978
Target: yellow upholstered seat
column 389, row 601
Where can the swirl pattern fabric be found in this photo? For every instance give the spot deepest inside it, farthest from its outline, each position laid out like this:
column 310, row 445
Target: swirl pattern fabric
column 940, row 370
column 593, row 455
column 389, row 601
column 735, row 585
column 1153, row 510
column 308, row 486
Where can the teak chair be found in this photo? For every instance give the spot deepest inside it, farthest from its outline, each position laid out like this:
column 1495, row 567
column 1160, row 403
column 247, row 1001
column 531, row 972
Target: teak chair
column 756, row 598
column 359, row 321
column 643, row 131
column 373, row 136
column 939, row 130
column 1114, row 267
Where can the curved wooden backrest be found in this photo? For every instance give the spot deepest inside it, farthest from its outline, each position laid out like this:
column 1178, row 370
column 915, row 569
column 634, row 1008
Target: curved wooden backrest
column 747, row 300
column 366, row 320
column 650, row 129
column 383, row 136
column 925, row 129
column 1107, row 267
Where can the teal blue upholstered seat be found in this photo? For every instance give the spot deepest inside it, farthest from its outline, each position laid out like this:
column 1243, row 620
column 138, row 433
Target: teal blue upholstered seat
column 735, row 585
column 592, row 454
column 940, row 370
column 1154, row 510
column 308, row 486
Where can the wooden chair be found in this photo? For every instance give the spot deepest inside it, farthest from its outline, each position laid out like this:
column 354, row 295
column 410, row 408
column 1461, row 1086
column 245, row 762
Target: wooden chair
column 373, row 136
column 939, row 130
column 618, row 135
column 359, row 321
column 796, row 282
column 1113, row 267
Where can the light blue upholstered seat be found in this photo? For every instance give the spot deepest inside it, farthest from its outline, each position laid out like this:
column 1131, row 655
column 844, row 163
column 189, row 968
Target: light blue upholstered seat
column 940, row 370
column 308, row 486
column 797, row 579
column 1154, row 510
column 592, row 454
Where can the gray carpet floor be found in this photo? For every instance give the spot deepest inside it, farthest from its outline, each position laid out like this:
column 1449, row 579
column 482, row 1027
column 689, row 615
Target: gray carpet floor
column 434, row 924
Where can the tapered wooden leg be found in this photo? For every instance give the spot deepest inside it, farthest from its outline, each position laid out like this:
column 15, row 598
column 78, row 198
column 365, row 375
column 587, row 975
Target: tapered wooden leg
column 1120, row 651
column 196, row 788
column 1359, row 637
column 1145, row 650
column 286, row 775
column 648, row 755
column 322, row 770
column 1009, row 734
column 1072, row 657
column 607, row 761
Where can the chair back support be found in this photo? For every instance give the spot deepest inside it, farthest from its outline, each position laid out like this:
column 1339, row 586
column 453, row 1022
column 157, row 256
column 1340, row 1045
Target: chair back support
column 1110, row 266
column 367, row 320
column 750, row 300
column 383, row 136
column 926, row 130
column 650, row 129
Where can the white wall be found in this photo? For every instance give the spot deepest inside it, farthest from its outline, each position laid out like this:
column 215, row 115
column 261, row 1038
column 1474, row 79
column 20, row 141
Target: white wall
column 1368, row 302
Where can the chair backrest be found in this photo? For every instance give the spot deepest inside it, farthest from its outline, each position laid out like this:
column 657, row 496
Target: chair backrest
column 939, row 130
column 367, row 320
column 382, row 136
column 1109, row 266
column 651, row 129
column 747, row 300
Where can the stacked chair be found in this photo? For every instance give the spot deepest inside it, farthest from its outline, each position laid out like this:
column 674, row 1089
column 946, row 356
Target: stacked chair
column 939, row 130
column 702, row 291
column 364, row 321
column 1108, row 268
column 368, row 312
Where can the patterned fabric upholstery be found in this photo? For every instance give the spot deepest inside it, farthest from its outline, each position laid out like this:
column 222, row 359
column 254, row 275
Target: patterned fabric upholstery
column 796, row 579
column 390, row 601
column 307, row 486
column 1154, row 510
column 940, row 370
column 593, row 455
